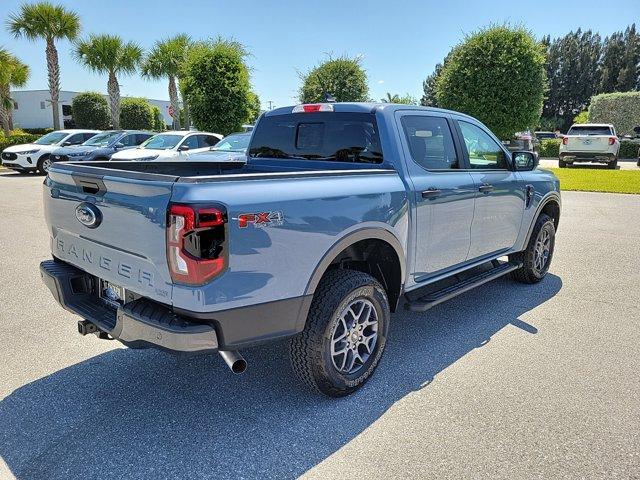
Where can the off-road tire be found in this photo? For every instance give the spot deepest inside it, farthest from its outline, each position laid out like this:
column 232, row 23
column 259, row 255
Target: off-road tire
column 528, row 273
column 310, row 350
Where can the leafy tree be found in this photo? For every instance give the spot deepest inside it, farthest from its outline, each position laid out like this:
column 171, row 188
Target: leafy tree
column 429, row 87
column 254, row 107
column 496, row 75
column 343, row 78
column 49, row 22
column 573, row 72
column 90, row 110
column 582, row 117
column 395, row 98
column 158, row 119
column 13, row 73
column 111, row 55
column 166, row 59
column 216, row 82
column 136, row 114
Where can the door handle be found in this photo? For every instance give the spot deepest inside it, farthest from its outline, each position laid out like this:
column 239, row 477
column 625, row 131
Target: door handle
column 431, row 193
column 486, row 188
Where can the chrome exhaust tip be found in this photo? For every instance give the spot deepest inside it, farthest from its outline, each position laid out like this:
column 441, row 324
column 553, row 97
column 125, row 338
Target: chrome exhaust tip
column 234, row 360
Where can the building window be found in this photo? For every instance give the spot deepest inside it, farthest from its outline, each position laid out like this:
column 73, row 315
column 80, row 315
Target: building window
column 42, row 105
column 66, row 110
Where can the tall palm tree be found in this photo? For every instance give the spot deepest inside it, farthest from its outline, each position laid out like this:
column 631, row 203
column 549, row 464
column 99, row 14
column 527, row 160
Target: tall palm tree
column 13, row 73
column 111, row 55
column 165, row 60
column 49, row 22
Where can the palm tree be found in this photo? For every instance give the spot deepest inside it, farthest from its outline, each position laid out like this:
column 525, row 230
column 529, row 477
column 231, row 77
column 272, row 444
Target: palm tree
column 165, row 60
column 50, row 22
column 111, row 55
column 13, row 73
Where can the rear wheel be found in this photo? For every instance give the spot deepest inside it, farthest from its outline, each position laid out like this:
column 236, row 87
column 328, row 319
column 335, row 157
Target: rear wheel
column 612, row 165
column 561, row 163
column 539, row 252
column 345, row 334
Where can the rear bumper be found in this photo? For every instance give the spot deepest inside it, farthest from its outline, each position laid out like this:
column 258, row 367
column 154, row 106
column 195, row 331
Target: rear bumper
column 604, row 157
column 144, row 323
column 141, row 323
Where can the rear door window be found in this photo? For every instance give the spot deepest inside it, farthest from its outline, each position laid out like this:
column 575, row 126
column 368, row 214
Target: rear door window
column 323, row 136
column 430, row 142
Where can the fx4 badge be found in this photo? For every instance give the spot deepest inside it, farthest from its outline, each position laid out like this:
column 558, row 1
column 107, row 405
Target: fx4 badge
column 262, row 219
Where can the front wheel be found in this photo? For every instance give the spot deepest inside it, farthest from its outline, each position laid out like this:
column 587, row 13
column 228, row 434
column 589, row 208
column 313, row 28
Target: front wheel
column 612, row 165
column 345, row 334
column 43, row 164
column 539, row 252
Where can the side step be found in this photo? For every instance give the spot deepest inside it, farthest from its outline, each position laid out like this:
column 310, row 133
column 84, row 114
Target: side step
column 432, row 299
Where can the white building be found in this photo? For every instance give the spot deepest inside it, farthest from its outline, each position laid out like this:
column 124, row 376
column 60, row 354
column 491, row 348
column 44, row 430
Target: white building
column 32, row 108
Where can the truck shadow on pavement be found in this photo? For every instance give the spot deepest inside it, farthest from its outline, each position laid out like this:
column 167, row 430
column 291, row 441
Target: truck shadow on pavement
column 147, row 414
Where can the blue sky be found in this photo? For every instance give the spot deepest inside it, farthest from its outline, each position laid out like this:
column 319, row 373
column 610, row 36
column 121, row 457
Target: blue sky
column 400, row 41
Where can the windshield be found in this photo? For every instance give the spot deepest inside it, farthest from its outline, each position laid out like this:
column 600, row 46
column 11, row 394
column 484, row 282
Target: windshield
column 337, row 137
column 102, row 139
column 589, row 130
column 233, row 143
column 162, row 142
column 51, row 138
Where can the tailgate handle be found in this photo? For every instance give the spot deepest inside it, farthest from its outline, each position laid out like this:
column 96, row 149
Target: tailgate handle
column 92, row 186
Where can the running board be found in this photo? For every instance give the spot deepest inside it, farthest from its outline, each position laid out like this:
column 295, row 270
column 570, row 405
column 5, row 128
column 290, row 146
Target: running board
column 434, row 298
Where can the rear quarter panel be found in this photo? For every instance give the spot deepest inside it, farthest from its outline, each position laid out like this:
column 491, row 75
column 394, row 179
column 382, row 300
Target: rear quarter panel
column 276, row 262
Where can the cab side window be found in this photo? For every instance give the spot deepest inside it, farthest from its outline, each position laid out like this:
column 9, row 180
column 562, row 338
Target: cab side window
column 141, row 137
column 76, row 139
column 128, row 140
column 206, row 141
column 430, row 142
column 484, row 152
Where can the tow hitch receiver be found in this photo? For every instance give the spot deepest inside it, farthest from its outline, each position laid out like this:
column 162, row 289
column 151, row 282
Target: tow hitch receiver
column 85, row 327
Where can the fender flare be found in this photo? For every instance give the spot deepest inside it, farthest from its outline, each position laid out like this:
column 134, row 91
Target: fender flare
column 366, row 233
column 551, row 197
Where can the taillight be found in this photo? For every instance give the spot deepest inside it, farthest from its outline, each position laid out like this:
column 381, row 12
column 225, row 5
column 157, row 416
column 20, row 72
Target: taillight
column 565, row 140
column 196, row 243
column 612, row 140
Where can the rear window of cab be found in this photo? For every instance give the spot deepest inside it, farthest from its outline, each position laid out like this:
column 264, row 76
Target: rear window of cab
column 321, row 136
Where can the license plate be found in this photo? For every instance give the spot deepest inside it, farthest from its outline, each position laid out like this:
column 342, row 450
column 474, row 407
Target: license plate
column 112, row 293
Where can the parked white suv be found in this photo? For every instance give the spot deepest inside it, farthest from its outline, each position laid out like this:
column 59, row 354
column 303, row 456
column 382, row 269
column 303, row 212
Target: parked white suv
column 31, row 157
column 590, row 142
column 170, row 146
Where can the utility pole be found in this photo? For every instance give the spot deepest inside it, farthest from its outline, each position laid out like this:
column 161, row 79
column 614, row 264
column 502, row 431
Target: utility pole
column 271, row 105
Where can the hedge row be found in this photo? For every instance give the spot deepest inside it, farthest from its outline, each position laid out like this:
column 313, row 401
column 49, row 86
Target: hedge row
column 551, row 148
column 17, row 140
column 620, row 109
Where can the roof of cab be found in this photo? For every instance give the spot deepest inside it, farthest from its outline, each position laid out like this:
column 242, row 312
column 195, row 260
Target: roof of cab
column 368, row 107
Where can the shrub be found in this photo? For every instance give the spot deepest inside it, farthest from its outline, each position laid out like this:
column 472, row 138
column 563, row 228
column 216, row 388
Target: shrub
column 90, row 110
column 498, row 76
column 17, row 140
column 620, row 109
column 136, row 114
column 158, row 119
column 216, row 85
column 254, row 107
column 550, row 148
column 629, row 149
column 38, row 131
column 343, row 77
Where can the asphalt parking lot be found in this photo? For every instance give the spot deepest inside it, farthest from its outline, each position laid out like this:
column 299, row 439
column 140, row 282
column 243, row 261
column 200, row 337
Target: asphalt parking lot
column 507, row 381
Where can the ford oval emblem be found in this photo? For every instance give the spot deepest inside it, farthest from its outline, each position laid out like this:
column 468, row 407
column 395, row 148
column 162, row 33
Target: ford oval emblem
column 88, row 215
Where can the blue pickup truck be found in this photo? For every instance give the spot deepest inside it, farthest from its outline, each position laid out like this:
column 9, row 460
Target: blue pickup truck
column 342, row 213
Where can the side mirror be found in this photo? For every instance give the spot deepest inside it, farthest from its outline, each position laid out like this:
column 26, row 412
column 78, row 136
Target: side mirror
column 524, row 161
column 118, row 146
column 67, row 143
column 183, row 148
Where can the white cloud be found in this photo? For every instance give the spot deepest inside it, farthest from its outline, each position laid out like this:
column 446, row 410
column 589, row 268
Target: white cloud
column 380, row 82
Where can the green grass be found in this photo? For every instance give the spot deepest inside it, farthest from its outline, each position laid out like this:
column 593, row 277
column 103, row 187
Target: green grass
column 598, row 180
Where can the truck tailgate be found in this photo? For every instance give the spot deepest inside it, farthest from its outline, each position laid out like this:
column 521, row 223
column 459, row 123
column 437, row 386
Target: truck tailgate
column 127, row 246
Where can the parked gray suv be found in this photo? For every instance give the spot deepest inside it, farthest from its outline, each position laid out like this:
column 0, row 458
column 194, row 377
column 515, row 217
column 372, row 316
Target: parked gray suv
column 101, row 147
